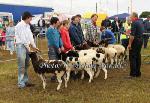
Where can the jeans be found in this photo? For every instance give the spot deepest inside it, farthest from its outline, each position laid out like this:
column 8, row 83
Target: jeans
column 23, row 63
column 10, row 45
column 53, row 53
column 135, row 58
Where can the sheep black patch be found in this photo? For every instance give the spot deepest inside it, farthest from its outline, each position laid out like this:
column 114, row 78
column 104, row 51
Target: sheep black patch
column 85, row 54
column 98, row 55
column 94, row 59
column 70, row 58
column 76, row 59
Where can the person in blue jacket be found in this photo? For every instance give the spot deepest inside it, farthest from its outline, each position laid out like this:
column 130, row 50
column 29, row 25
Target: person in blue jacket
column 108, row 35
column 75, row 33
column 55, row 44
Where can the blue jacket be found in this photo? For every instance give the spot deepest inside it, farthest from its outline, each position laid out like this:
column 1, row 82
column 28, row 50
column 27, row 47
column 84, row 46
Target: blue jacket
column 76, row 35
column 53, row 37
column 108, row 34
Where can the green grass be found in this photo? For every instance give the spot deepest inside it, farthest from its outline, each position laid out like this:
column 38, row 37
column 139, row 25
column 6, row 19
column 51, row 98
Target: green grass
column 116, row 89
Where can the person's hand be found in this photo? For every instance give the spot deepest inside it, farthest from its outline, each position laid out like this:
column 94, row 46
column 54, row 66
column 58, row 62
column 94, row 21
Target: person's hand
column 73, row 48
column 129, row 47
column 62, row 49
column 59, row 50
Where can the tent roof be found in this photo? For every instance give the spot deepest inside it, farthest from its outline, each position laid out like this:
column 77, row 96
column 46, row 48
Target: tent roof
column 120, row 16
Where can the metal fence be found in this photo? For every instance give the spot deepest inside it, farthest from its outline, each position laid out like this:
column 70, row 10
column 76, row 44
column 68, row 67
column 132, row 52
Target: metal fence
column 41, row 43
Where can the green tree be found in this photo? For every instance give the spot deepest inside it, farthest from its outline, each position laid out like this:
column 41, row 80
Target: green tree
column 144, row 14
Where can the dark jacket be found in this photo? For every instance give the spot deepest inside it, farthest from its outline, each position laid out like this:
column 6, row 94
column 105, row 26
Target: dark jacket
column 147, row 26
column 115, row 27
column 106, row 23
column 137, row 29
column 43, row 23
column 75, row 34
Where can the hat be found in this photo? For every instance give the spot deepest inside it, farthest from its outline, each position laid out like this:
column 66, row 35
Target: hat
column 27, row 15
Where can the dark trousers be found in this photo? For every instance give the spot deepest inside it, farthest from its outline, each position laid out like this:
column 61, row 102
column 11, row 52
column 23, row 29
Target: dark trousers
column 53, row 53
column 145, row 40
column 125, row 42
column 117, row 36
column 135, row 58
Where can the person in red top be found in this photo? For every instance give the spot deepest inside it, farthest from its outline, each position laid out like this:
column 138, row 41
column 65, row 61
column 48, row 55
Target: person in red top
column 2, row 38
column 65, row 36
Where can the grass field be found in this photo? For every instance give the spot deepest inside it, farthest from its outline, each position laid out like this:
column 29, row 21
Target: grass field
column 116, row 89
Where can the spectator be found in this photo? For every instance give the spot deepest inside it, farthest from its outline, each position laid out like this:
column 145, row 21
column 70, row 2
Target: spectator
column 108, row 35
column 93, row 31
column 1, row 22
column 106, row 23
column 10, row 33
column 2, row 38
column 55, row 44
column 147, row 30
column 126, row 33
column 75, row 33
column 24, row 38
column 116, row 26
column 41, row 24
column 80, row 27
column 135, row 45
column 65, row 36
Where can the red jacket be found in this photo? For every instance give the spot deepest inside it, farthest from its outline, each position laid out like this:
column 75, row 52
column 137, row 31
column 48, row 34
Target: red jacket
column 3, row 38
column 65, row 39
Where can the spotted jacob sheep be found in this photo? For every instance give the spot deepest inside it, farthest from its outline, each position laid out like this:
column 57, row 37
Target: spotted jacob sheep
column 57, row 67
column 88, row 60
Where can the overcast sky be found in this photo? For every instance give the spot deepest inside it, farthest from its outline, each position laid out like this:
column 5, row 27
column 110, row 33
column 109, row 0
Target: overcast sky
column 81, row 6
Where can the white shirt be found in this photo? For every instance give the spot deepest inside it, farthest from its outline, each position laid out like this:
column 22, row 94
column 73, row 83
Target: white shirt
column 41, row 22
column 23, row 34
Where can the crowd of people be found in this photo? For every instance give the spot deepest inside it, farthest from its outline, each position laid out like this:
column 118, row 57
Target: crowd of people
column 68, row 35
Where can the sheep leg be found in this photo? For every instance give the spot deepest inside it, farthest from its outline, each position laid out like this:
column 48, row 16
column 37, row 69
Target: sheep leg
column 44, row 80
column 66, row 78
column 59, row 76
column 105, row 71
column 97, row 73
column 90, row 74
column 82, row 76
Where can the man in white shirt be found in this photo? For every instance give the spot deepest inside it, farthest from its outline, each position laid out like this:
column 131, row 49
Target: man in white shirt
column 24, row 38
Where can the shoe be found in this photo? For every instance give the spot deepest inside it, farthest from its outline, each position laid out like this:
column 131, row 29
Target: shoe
column 129, row 77
column 29, row 84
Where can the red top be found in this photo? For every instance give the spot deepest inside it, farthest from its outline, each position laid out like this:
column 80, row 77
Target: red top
column 3, row 38
column 65, row 39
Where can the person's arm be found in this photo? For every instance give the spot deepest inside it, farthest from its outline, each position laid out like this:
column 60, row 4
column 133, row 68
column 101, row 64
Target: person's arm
column 65, row 39
column 31, row 39
column 74, row 36
column 131, row 37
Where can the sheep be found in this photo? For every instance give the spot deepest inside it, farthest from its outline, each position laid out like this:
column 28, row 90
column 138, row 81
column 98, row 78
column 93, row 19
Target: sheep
column 57, row 67
column 110, row 55
column 121, row 51
column 88, row 60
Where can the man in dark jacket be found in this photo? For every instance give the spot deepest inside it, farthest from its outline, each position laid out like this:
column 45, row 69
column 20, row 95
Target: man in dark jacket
column 41, row 23
column 116, row 26
column 106, row 23
column 135, row 45
column 75, row 32
column 147, row 30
